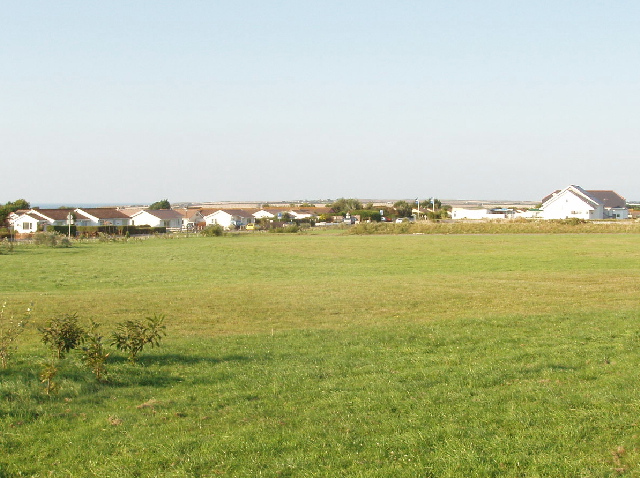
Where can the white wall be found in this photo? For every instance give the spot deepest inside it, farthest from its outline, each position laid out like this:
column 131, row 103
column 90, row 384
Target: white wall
column 262, row 214
column 226, row 220
column 143, row 218
column 568, row 205
column 619, row 213
column 24, row 220
column 462, row 213
column 219, row 217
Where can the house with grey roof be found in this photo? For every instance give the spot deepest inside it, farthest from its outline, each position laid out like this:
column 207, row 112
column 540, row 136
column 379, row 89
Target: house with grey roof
column 576, row 202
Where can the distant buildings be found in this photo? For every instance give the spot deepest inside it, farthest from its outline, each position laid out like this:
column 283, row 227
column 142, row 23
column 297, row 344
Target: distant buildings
column 570, row 202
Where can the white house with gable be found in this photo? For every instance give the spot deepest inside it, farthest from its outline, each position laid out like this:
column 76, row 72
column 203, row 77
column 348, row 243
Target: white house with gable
column 35, row 219
column 229, row 218
column 158, row 218
column 101, row 216
column 575, row 202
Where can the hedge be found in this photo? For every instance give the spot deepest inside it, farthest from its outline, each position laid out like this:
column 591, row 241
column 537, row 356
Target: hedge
column 90, row 231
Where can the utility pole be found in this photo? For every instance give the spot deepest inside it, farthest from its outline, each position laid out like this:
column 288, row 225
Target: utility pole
column 69, row 219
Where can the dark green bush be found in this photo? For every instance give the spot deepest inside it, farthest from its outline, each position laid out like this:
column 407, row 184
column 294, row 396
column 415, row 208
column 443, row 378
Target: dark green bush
column 132, row 336
column 94, row 231
column 62, row 334
column 287, row 229
column 213, row 230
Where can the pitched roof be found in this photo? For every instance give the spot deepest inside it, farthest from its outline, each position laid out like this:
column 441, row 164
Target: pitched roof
column 576, row 191
column 207, row 211
column 130, row 211
column 188, row 212
column 54, row 214
column 104, row 212
column 164, row 213
column 236, row 212
column 29, row 215
column 610, row 199
column 549, row 196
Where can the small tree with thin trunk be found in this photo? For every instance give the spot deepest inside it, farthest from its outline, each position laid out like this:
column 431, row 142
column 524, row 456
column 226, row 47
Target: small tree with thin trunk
column 63, row 334
column 93, row 352
column 131, row 336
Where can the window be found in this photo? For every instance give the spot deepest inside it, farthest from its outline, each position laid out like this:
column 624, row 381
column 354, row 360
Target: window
column 26, row 226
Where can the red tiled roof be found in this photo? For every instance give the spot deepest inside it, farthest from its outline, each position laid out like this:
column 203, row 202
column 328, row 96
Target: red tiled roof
column 105, row 213
column 55, row 214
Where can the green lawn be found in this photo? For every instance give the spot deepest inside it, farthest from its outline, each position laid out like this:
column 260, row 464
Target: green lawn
column 335, row 355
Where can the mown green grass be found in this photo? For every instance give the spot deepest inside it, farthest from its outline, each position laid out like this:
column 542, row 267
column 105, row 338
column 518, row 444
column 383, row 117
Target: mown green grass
column 336, row 356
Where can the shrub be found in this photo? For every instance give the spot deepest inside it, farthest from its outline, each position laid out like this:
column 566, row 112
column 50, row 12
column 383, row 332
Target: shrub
column 132, row 336
column 46, row 239
column 62, row 334
column 213, row 230
column 290, row 229
column 47, row 376
column 93, row 352
column 6, row 246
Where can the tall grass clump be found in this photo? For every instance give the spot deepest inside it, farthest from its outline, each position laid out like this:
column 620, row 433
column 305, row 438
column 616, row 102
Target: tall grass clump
column 51, row 239
column 288, row 229
column 6, row 246
column 515, row 226
column 10, row 329
column 215, row 230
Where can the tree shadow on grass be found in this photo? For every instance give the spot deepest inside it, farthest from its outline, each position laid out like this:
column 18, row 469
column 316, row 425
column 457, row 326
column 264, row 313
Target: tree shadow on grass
column 159, row 370
column 167, row 359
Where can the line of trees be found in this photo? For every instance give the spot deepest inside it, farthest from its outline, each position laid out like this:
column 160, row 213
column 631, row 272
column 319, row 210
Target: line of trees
column 431, row 209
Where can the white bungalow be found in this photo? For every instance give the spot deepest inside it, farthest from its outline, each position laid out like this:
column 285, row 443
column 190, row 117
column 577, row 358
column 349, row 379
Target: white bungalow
column 34, row 219
column 191, row 218
column 158, row 218
column 229, row 218
column 102, row 216
column 26, row 223
column 573, row 201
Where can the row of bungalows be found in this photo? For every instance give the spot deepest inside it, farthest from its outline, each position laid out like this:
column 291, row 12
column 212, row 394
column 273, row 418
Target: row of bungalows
column 179, row 219
column 238, row 218
column 36, row 219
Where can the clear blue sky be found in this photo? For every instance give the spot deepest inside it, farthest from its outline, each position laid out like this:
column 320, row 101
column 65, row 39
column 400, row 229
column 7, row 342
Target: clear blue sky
column 136, row 101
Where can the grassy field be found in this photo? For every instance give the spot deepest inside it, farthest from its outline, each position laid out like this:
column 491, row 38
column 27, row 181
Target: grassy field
column 335, row 355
